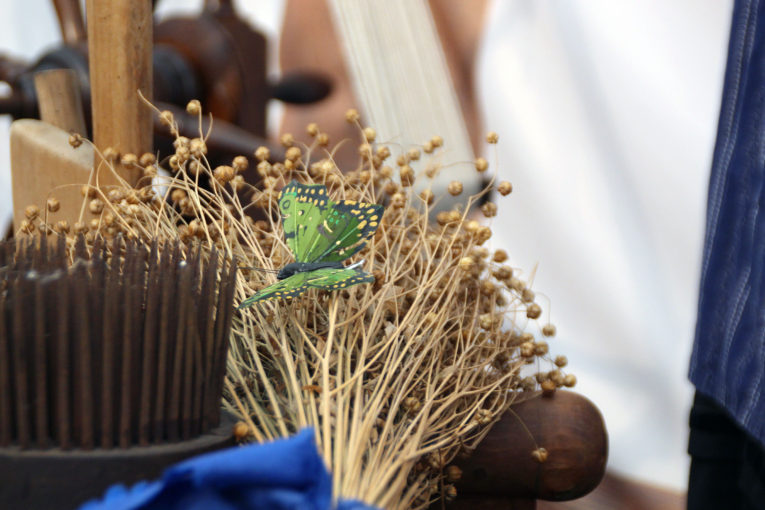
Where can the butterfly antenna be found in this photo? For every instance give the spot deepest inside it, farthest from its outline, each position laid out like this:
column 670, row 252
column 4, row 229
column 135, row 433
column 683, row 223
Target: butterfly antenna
column 260, row 269
column 356, row 265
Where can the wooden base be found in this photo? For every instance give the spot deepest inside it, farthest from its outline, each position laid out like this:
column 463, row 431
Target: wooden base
column 58, row 479
column 490, row 503
column 502, row 470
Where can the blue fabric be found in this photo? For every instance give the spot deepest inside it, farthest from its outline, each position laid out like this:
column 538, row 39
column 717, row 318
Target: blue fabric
column 728, row 360
column 281, row 475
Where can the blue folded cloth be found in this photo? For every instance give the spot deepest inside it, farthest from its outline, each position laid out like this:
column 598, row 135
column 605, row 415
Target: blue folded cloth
column 283, row 474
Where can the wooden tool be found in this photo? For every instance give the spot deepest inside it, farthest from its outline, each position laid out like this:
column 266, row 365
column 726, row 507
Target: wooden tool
column 127, row 347
column 43, row 163
column 58, row 97
column 70, row 21
column 124, row 349
column 216, row 57
column 119, row 54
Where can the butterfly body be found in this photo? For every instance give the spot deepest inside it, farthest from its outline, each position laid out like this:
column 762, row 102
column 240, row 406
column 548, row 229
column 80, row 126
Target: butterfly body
column 304, row 267
column 321, row 233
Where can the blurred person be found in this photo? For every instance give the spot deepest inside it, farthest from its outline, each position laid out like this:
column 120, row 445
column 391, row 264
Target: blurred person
column 727, row 440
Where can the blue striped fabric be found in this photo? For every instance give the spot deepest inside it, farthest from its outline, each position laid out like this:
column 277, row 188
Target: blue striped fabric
column 728, row 360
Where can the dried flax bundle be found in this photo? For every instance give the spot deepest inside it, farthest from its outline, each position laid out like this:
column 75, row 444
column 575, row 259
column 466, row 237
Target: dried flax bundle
column 397, row 376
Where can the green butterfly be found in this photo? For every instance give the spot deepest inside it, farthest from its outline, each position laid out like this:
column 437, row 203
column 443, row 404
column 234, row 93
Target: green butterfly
column 321, row 234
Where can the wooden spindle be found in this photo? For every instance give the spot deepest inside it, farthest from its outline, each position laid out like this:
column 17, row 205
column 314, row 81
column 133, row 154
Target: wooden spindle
column 120, row 59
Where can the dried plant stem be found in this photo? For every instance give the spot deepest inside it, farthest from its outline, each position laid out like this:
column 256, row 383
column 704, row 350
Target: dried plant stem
column 396, row 377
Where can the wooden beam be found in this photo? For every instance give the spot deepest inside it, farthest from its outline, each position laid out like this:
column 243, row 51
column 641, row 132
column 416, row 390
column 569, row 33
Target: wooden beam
column 120, row 57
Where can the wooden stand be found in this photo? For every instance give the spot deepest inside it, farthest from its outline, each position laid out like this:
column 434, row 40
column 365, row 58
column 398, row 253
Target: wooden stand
column 502, row 472
column 55, row 479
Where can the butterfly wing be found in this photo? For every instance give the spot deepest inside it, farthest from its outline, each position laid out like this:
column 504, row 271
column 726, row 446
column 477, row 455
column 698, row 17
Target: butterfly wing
column 336, row 279
column 304, row 209
column 319, row 230
column 325, row 279
column 283, row 289
column 345, row 230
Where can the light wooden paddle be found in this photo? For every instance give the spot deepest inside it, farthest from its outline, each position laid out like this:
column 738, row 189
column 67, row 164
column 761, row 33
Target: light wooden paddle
column 43, row 163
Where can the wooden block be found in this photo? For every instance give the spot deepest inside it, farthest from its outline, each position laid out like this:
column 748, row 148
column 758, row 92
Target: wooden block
column 44, row 165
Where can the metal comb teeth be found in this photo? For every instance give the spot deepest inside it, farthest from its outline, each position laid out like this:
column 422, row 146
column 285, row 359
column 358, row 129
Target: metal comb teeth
column 125, row 346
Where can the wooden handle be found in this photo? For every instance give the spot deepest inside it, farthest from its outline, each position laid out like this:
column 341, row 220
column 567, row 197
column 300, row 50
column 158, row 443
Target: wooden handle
column 502, row 468
column 70, row 21
column 58, row 96
column 120, row 57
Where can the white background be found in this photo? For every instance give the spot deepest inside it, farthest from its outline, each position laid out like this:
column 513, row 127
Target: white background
column 607, row 112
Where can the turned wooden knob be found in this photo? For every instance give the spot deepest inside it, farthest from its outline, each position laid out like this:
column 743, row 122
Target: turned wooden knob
column 503, row 468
